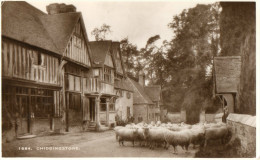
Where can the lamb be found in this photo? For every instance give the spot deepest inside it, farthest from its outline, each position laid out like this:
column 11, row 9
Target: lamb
column 126, row 134
column 181, row 138
column 222, row 133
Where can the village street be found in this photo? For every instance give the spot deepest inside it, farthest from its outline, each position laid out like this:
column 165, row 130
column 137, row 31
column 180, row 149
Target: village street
column 89, row 144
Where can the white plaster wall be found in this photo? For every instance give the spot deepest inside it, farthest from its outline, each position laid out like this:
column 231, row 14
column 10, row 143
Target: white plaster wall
column 122, row 103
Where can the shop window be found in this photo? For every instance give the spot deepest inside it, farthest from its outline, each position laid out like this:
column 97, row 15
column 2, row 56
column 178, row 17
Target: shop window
column 42, row 103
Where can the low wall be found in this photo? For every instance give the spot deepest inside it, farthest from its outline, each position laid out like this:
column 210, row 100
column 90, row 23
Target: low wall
column 244, row 128
column 174, row 117
column 210, row 117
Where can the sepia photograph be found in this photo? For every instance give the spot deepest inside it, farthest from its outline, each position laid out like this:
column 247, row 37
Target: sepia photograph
column 140, row 79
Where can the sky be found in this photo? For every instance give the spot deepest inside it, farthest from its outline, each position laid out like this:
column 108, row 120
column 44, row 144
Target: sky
column 137, row 20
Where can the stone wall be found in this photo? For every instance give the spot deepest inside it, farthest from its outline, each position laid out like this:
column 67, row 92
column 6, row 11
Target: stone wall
column 243, row 128
column 176, row 117
column 140, row 110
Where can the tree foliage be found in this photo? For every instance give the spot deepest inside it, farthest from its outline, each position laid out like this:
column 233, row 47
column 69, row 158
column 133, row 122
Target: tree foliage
column 190, row 58
column 101, row 33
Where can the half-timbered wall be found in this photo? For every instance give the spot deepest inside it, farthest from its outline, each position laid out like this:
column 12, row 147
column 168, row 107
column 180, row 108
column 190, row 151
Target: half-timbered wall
column 21, row 61
column 108, row 61
column 77, row 47
column 118, row 63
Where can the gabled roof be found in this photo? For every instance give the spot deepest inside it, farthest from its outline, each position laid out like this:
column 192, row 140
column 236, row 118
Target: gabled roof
column 60, row 27
column 123, row 84
column 227, row 73
column 99, row 50
column 22, row 22
column 140, row 97
column 116, row 48
column 154, row 92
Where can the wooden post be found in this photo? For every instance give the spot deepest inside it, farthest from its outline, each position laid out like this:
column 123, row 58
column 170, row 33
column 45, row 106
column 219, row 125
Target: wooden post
column 30, row 124
column 61, row 73
column 97, row 112
column 107, row 111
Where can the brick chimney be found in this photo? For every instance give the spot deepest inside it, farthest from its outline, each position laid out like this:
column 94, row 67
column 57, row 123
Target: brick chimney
column 141, row 79
column 56, row 8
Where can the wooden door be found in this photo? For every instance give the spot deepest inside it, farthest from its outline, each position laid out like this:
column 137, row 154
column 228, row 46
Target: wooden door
column 92, row 110
column 128, row 112
column 86, row 108
column 22, row 102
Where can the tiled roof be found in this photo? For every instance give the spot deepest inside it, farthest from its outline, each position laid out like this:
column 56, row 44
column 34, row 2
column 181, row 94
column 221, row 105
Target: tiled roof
column 99, row 49
column 123, row 84
column 154, row 92
column 227, row 73
column 140, row 97
column 60, row 27
column 23, row 22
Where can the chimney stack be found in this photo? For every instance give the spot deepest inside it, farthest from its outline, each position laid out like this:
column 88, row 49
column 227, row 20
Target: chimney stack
column 56, row 8
column 141, row 79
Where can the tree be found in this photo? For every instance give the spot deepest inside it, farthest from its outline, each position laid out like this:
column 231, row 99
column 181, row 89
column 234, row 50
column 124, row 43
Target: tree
column 130, row 54
column 195, row 42
column 101, row 33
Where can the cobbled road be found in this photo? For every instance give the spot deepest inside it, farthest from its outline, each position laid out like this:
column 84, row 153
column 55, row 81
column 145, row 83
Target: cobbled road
column 87, row 144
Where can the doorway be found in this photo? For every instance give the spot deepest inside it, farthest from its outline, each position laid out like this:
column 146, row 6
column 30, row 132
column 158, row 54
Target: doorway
column 92, row 111
column 22, row 103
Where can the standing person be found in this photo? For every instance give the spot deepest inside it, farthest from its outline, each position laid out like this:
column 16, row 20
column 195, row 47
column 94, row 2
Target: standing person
column 225, row 110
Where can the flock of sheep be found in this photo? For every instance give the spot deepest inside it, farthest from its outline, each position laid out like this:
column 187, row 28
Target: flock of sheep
column 163, row 135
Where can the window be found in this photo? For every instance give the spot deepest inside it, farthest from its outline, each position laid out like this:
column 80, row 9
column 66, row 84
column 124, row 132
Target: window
column 108, row 75
column 119, row 93
column 42, row 103
column 103, row 104
column 74, row 101
column 128, row 95
column 77, row 41
column 112, row 105
column 73, row 83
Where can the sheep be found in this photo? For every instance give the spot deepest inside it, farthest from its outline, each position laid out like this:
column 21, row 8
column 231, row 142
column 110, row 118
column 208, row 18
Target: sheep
column 175, row 138
column 126, row 134
column 116, row 129
column 155, row 135
column 222, row 133
column 197, row 136
column 141, row 137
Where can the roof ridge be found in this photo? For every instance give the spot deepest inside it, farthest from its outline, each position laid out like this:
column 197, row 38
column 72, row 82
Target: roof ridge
column 33, row 7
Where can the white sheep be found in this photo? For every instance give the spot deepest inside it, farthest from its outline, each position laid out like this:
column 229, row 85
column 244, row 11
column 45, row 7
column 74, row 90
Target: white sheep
column 155, row 136
column 181, row 138
column 127, row 134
